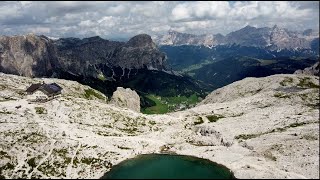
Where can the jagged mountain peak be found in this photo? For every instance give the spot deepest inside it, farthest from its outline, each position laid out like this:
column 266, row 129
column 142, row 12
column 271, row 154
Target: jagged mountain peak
column 248, row 27
column 140, row 40
column 274, row 38
column 94, row 38
column 275, row 27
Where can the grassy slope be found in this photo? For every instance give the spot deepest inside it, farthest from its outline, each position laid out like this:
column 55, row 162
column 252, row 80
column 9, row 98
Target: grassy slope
column 168, row 104
column 159, row 108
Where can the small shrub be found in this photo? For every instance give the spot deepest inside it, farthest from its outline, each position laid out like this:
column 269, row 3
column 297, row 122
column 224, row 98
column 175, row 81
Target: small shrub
column 214, row 118
column 41, row 110
column 91, row 92
column 7, row 166
column 5, row 112
column 305, row 82
column 280, row 95
column 199, row 121
column 237, row 115
column 101, row 77
column 296, row 124
column 286, row 81
column 32, row 162
column 89, row 160
column 246, row 136
column 310, row 137
column 122, row 147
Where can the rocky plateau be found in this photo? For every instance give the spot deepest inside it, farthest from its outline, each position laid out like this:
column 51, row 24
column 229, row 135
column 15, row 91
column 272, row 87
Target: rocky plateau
column 257, row 127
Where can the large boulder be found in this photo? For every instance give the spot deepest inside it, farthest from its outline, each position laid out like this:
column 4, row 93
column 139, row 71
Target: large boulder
column 126, row 98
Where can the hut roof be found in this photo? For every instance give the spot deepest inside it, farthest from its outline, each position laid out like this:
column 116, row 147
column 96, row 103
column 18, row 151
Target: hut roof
column 45, row 88
column 51, row 88
column 33, row 87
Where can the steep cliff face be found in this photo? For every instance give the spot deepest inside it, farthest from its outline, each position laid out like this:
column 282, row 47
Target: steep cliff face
column 28, row 55
column 139, row 52
column 91, row 56
column 38, row 56
column 77, row 56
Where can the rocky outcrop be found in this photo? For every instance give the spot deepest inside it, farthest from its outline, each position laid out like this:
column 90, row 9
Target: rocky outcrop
column 28, row 55
column 313, row 70
column 126, row 98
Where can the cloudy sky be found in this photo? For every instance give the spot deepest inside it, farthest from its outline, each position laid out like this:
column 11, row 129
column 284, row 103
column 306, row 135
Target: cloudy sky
column 125, row 19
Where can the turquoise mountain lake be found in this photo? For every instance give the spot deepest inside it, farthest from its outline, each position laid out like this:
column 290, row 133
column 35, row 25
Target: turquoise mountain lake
column 164, row 166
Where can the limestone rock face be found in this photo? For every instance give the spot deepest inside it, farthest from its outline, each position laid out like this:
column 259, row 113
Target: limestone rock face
column 37, row 56
column 139, row 52
column 28, row 55
column 89, row 55
column 126, row 98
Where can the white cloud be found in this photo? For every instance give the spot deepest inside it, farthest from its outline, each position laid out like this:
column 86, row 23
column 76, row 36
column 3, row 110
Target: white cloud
column 25, row 3
column 160, row 28
column 117, row 10
column 87, row 23
column 9, row 11
column 181, row 12
column 125, row 19
column 39, row 30
column 200, row 10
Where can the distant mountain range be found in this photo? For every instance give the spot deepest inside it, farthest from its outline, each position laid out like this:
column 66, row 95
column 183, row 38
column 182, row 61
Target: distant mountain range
column 219, row 60
column 274, row 38
column 99, row 63
column 180, row 65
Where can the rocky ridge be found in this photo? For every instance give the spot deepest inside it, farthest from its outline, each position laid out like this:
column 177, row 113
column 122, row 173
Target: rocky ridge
column 274, row 38
column 258, row 127
column 38, row 56
column 313, row 70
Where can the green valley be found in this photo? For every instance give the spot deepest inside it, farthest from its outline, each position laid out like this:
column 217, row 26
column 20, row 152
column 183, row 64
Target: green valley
column 168, row 104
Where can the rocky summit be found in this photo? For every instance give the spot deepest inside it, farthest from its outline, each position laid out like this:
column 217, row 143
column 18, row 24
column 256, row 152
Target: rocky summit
column 257, row 127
